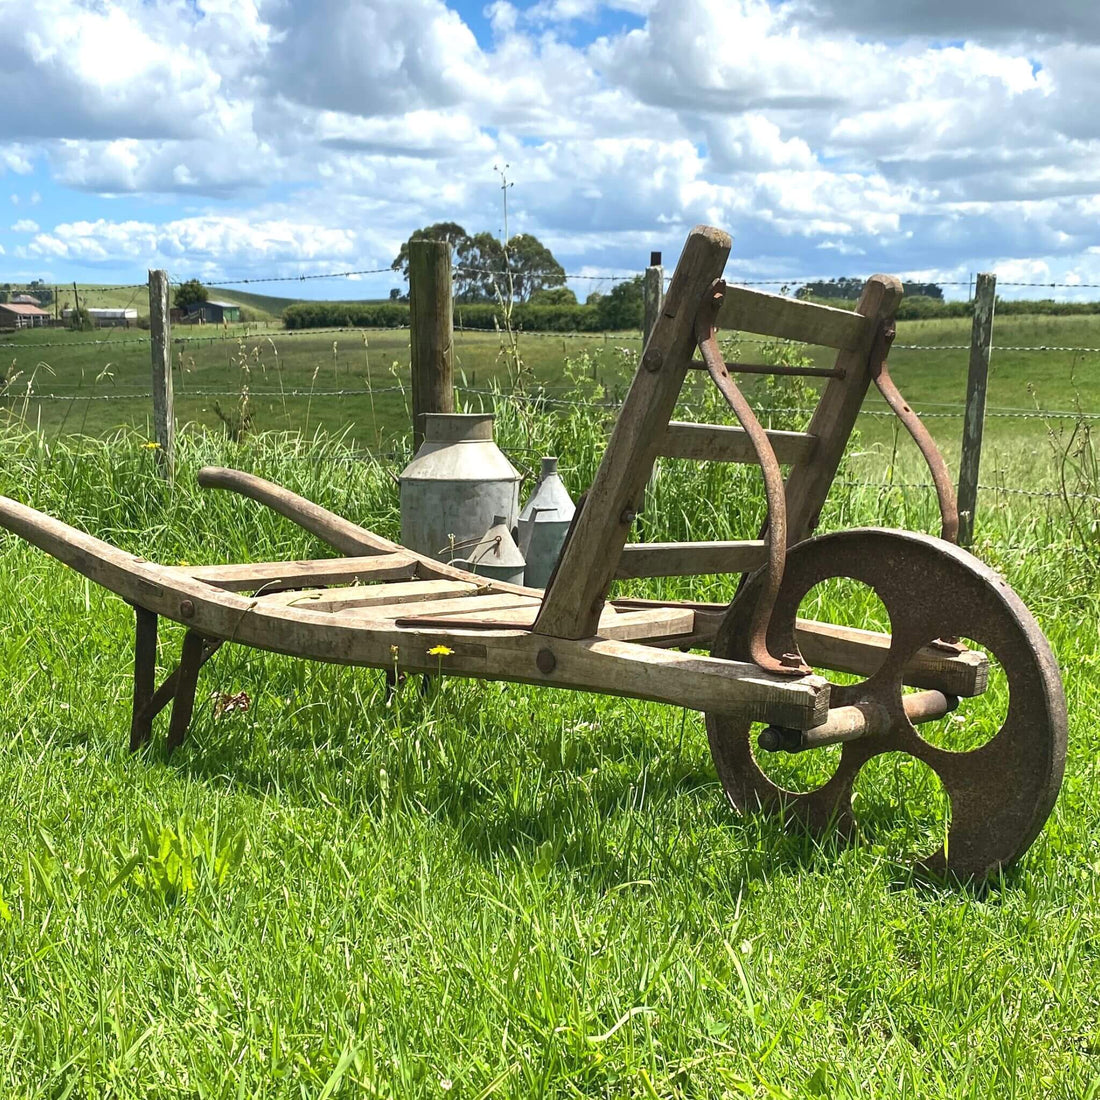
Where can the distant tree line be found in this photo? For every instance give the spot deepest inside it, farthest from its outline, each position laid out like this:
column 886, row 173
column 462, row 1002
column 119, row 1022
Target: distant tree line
column 848, row 288
column 35, row 288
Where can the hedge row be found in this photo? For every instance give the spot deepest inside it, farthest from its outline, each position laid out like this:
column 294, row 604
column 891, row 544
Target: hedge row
column 484, row 316
column 543, row 318
column 920, row 308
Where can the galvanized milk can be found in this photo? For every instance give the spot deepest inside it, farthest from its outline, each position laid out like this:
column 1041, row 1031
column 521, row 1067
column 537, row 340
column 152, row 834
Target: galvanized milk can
column 455, row 486
column 496, row 555
column 544, row 523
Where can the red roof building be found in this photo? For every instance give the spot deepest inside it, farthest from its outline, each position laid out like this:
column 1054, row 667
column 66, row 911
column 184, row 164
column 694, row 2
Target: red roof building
column 18, row 315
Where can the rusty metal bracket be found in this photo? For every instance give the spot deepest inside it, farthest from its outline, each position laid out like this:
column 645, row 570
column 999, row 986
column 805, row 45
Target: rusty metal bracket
column 937, row 467
column 775, row 537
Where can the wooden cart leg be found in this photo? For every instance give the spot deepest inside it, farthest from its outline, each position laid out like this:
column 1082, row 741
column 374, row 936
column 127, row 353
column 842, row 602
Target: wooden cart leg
column 145, row 667
column 191, row 660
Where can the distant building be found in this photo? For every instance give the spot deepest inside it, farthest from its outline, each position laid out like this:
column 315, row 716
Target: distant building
column 24, row 300
column 107, row 318
column 214, row 313
column 21, row 315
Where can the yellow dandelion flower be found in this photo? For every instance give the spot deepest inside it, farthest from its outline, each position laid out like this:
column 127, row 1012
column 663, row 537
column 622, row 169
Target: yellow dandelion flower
column 183, row 563
column 440, row 651
column 151, row 446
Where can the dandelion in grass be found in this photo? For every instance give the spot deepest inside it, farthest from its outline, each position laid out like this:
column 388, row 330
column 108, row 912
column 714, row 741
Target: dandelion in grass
column 151, row 446
column 440, row 651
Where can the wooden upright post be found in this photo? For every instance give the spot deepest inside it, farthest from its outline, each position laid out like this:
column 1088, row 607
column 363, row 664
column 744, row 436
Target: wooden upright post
column 164, row 419
column 589, row 560
column 431, row 336
column 654, row 291
column 981, row 340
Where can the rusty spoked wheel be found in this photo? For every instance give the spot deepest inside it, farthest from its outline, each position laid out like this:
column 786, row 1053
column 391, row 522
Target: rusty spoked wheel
column 1001, row 793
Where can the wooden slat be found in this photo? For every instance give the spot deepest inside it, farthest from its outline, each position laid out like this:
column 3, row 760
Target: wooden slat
column 772, row 315
column 660, row 622
column 574, row 600
column 250, row 576
column 847, row 649
column 722, row 443
column 499, row 605
column 371, row 595
column 861, row 652
column 689, row 559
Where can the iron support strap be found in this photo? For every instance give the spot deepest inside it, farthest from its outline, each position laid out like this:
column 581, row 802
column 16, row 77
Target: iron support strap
column 789, row 664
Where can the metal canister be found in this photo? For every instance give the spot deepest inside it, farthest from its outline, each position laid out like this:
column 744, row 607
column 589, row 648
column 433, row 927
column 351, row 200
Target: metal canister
column 454, row 487
column 544, row 523
column 496, row 555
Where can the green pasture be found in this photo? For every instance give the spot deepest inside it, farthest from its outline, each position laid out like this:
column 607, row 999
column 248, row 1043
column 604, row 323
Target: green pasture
column 305, row 381
column 483, row 890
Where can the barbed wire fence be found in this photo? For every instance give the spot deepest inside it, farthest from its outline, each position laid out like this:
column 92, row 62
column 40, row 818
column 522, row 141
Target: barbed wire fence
column 240, row 345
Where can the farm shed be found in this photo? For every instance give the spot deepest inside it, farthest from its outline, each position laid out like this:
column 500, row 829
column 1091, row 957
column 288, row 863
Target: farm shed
column 25, row 300
column 20, row 315
column 215, row 313
column 107, row 318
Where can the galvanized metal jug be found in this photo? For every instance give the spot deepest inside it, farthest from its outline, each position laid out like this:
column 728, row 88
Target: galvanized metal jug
column 544, row 523
column 454, row 487
column 496, row 555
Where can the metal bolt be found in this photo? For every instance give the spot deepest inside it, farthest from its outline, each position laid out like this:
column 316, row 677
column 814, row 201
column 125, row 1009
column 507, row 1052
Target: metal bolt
column 187, row 609
column 791, row 660
column 546, row 661
column 653, row 360
column 628, row 516
column 770, row 739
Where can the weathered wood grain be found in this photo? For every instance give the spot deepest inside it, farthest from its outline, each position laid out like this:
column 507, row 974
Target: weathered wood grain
column 575, row 598
column 689, row 559
column 431, row 337
column 251, row 576
column 591, row 664
column 748, row 310
column 722, row 443
column 981, row 340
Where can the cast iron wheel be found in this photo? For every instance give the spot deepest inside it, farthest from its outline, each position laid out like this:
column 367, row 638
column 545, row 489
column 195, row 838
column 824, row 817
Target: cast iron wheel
column 1001, row 793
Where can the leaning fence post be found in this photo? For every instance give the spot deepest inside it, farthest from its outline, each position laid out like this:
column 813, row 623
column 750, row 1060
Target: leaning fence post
column 164, row 419
column 654, row 294
column 981, row 340
column 431, row 332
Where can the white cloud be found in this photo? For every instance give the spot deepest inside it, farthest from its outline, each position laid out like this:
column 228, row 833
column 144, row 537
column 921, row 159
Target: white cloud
column 326, row 130
column 25, row 225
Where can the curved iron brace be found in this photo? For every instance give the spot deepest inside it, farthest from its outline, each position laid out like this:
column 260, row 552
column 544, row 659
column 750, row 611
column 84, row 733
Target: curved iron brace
column 937, row 467
column 775, row 535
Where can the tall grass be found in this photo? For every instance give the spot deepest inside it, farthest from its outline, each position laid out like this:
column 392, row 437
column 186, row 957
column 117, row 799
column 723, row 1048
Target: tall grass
column 488, row 890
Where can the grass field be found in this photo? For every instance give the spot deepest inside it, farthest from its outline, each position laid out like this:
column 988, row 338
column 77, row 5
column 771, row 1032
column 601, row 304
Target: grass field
column 310, row 380
column 487, row 890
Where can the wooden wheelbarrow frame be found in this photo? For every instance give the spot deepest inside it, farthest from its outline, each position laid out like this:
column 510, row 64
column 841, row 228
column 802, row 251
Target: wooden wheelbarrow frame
column 402, row 605
column 383, row 606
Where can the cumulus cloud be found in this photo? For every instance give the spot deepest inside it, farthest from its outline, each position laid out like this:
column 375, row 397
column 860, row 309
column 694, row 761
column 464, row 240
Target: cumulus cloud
column 25, row 225
column 926, row 136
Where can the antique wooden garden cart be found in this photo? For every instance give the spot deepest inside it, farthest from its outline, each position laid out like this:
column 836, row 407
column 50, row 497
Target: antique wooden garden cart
column 384, row 606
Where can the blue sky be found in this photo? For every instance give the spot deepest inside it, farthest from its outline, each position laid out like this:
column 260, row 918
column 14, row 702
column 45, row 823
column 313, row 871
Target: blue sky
column 243, row 138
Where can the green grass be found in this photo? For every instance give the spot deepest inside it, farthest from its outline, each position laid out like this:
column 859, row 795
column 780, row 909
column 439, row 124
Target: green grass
column 291, row 379
column 490, row 890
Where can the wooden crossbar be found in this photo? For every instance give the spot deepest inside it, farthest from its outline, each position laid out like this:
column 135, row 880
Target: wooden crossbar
column 688, row 559
column 805, row 322
column 722, row 443
column 251, row 576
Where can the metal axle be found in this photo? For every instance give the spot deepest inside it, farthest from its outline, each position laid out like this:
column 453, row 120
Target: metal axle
column 853, row 722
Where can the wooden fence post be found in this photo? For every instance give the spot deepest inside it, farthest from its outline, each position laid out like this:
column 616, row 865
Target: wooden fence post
column 981, row 340
column 654, row 292
column 431, row 335
column 164, row 417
